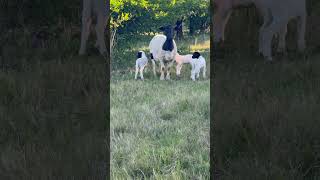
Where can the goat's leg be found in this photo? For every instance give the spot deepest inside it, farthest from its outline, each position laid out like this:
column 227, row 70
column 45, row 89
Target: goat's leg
column 86, row 23
column 301, row 28
column 168, row 68
column 162, row 68
column 282, row 39
column 168, row 72
column 267, row 19
column 154, row 67
column 261, row 38
column 137, row 70
column 267, row 36
column 100, row 27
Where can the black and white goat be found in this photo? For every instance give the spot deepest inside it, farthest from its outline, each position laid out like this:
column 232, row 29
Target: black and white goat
column 163, row 49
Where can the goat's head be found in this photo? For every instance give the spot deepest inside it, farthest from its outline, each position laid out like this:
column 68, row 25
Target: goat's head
column 168, row 31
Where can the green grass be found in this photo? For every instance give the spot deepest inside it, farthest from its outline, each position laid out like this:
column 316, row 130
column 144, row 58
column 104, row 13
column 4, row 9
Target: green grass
column 159, row 129
column 52, row 110
column 266, row 118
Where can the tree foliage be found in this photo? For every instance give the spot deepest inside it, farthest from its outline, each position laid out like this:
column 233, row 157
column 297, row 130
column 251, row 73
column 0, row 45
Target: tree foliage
column 139, row 16
column 17, row 13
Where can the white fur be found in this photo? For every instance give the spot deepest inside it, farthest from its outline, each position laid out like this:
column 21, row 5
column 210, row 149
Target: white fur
column 99, row 9
column 180, row 60
column 197, row 65
column 276, row 16
column 160, row 55
column 140, row 65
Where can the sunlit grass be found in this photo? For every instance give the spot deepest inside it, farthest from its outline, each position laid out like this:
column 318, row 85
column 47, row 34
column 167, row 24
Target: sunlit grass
column 201, row 46
column 159, row 129
column 266, row 118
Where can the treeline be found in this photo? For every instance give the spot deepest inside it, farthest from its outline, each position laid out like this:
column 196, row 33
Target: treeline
column 143, row 16
column 242, row 29
column 22, row 13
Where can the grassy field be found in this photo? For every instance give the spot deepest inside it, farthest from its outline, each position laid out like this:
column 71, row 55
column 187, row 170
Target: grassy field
column 159, row 129
column 266, row 118
column 53, row 109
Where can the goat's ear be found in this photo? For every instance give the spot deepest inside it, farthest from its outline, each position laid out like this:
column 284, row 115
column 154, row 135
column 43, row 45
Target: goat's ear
column 161, row 28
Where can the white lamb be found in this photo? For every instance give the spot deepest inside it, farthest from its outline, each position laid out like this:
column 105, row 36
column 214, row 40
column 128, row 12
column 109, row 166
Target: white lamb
column 180, row 60
column 141, row 63
column 198, row 62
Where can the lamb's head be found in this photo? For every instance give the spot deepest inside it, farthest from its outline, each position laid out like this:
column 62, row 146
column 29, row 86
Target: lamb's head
column 196, row 55
column 141, row 54
column 167, row 31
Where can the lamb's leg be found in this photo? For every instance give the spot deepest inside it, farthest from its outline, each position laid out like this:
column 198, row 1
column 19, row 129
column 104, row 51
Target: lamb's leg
column 141, row 73
column 192, row 73
column 137, row 69
column 178, row 67
column 162, row 68
column 86, row 23
column 204, row 71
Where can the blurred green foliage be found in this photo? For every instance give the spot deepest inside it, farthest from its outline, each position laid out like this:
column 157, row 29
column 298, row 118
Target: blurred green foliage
column 20, row 13
column 133, row 16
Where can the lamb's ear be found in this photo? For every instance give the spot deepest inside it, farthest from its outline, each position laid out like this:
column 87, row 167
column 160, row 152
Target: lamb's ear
column 161, row 28
column 195, row 55
column 139, row 55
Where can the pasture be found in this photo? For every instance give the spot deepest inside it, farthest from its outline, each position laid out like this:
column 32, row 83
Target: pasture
column 267, row 118
column 53, row 109
column 159, row 129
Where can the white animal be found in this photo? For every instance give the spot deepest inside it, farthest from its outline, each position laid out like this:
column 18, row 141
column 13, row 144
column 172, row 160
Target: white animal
column 197, row 63
column 180, row 60
column 98, row 8
column 276, row 16
column 163, row 49
column 141, row 63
